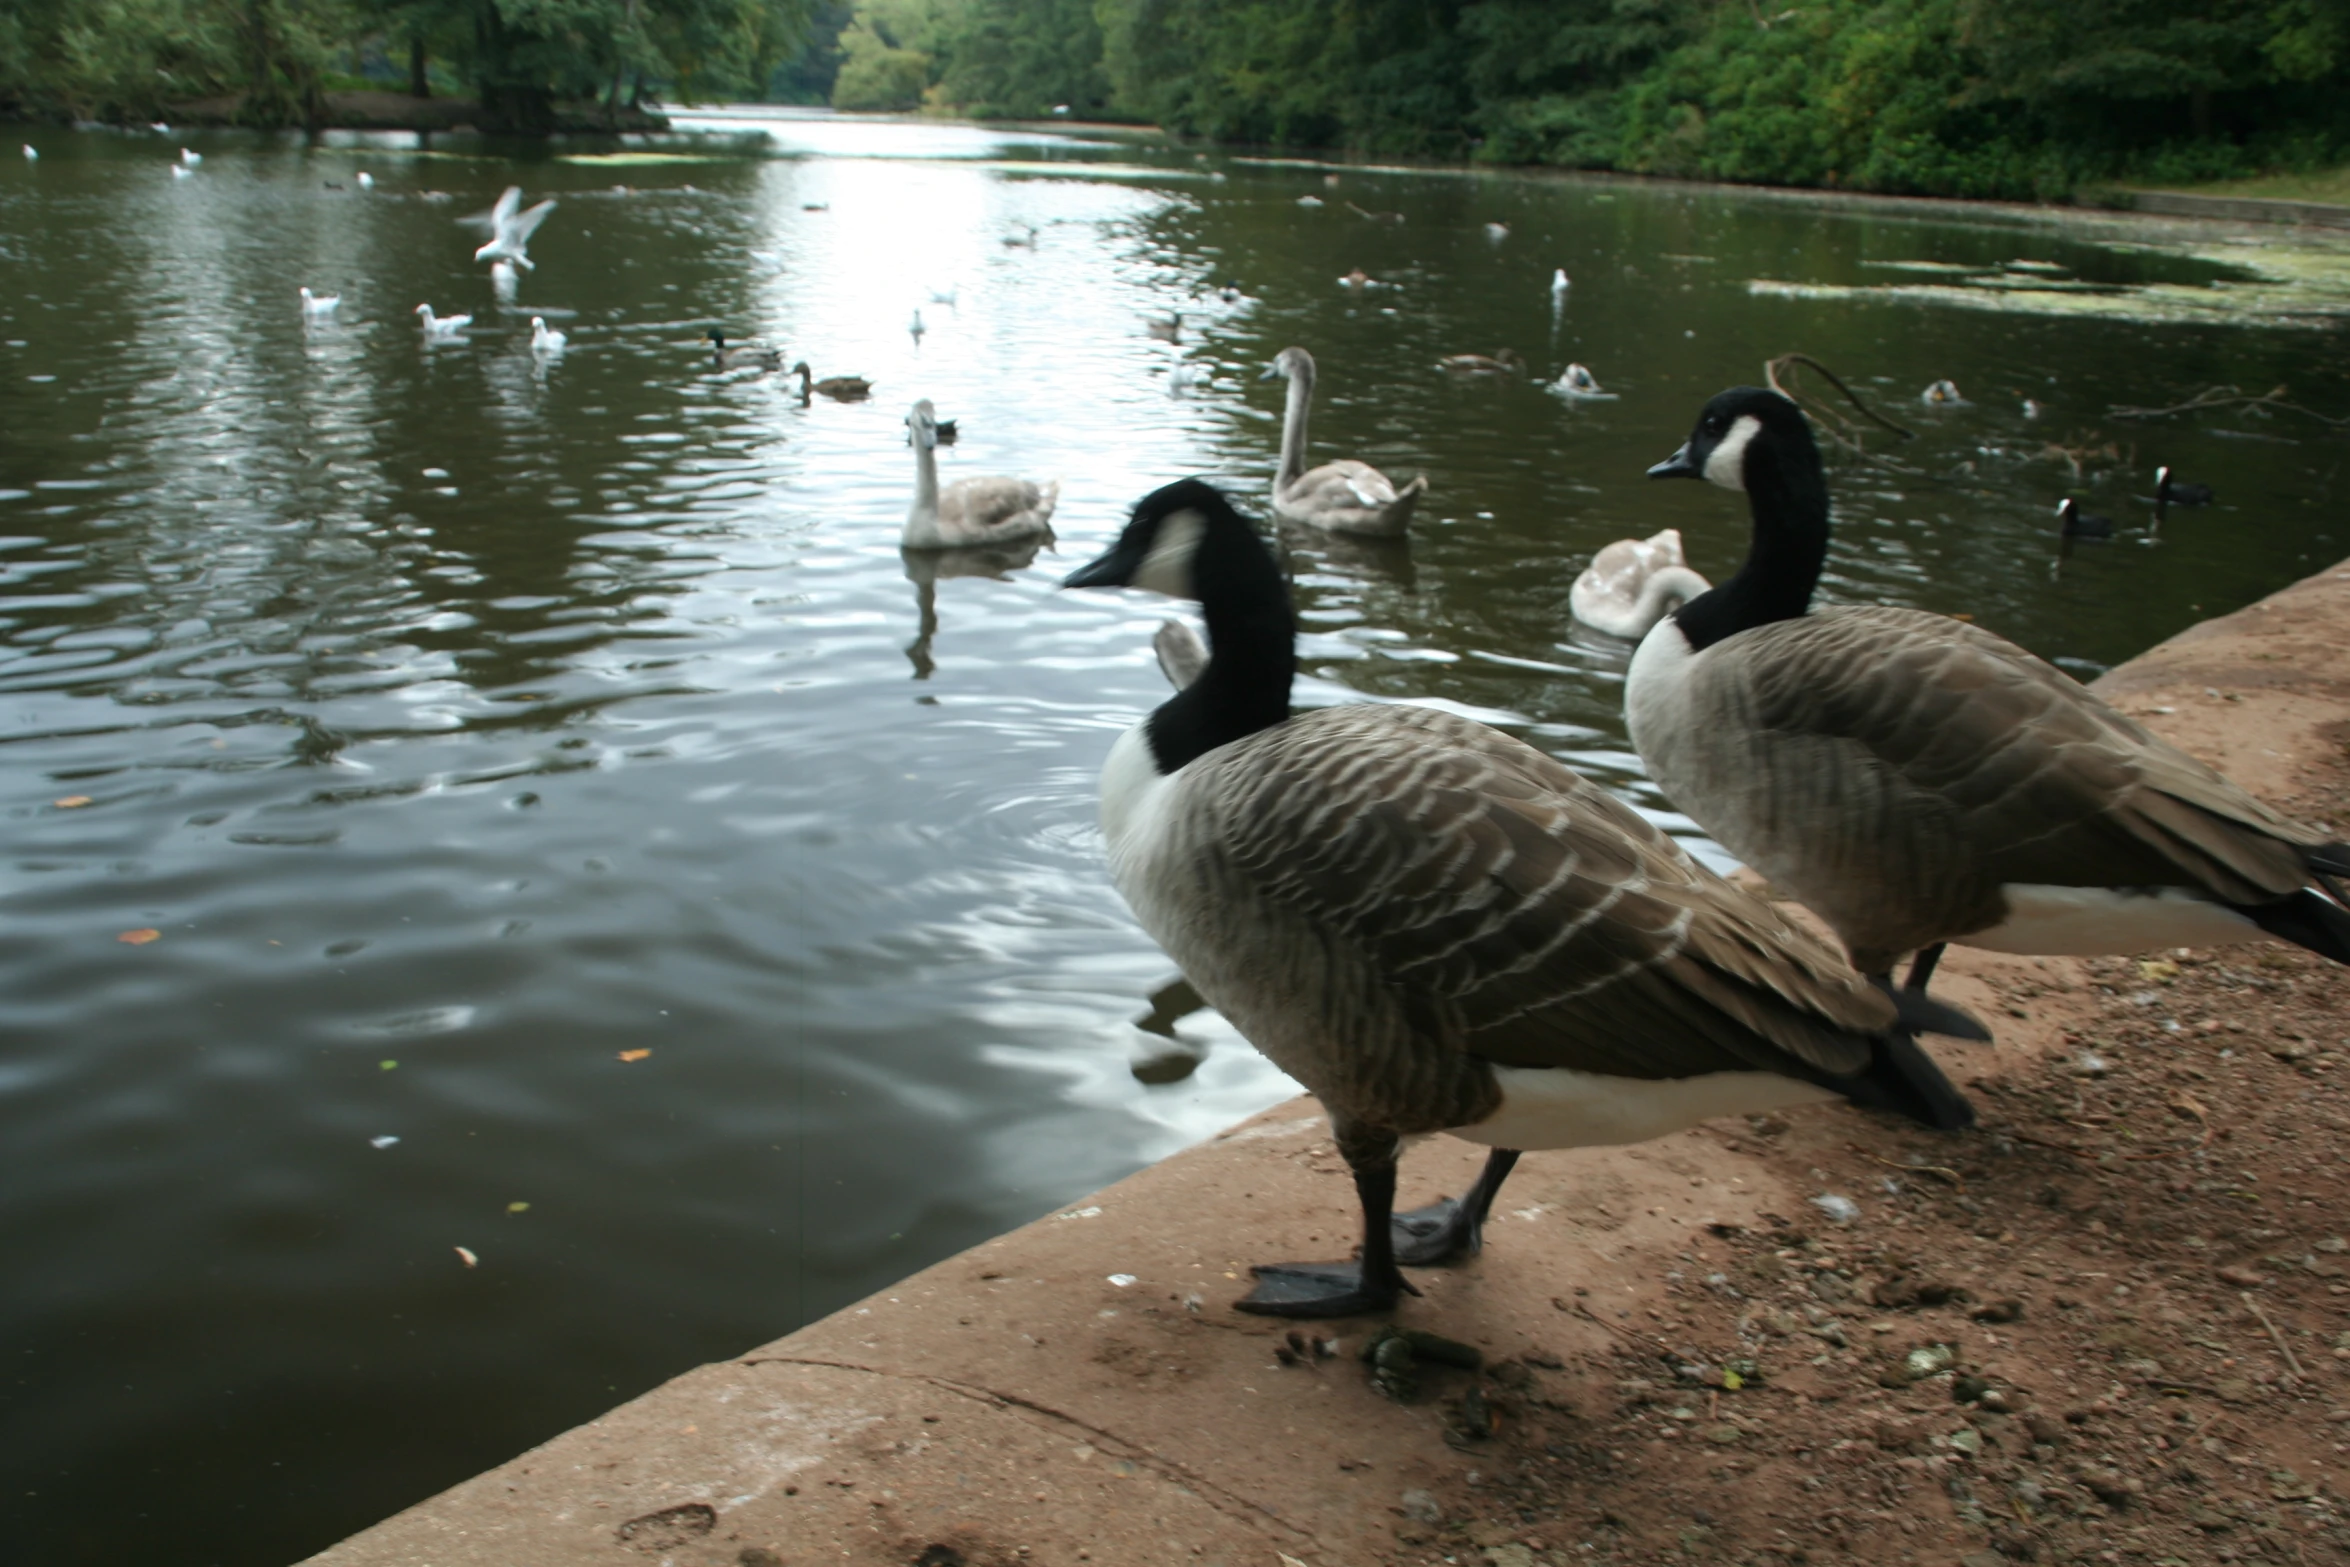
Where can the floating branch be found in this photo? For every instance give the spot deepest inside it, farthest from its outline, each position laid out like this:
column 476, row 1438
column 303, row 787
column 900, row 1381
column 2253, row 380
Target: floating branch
column 2212, row 397
column 1843, row 430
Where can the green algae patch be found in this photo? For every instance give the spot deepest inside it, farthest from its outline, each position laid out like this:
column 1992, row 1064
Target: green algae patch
column 627, row 159
column 2286, row 283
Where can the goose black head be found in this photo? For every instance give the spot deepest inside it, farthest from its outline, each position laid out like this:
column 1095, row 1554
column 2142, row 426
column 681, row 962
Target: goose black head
column 1160, row 548
column 1728, row 432
column 717, row 339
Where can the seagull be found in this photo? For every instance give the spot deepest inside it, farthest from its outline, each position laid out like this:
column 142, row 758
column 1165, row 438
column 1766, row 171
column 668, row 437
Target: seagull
column 315, row 306
column 180, row 171
column 32, row 153
column 545, row 341
column 366, row 180
column 159, row 128
column 443, row 329
column 1497, row 232
column 1559, row 283
column 511, row 227
column 1309, row 201
column 191, row 159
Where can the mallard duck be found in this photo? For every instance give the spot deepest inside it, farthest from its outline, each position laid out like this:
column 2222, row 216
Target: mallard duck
column 1344, row 496
column 983, row 511
column 1500, row 362
column 1942, row 394
column 742, row 356
column 840, row 388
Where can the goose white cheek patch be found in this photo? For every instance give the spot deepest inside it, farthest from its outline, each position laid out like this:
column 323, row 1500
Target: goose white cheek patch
column 1725, row 465
column 1167, row 569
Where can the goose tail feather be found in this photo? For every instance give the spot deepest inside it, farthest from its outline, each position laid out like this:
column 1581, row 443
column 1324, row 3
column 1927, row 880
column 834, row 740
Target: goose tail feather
column 2306, row 919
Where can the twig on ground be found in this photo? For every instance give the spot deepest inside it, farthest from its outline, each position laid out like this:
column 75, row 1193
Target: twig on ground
column 2283, row 1348
column 1948, row 1174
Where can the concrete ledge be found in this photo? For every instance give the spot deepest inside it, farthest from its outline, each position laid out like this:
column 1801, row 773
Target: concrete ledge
column 1080, row 1390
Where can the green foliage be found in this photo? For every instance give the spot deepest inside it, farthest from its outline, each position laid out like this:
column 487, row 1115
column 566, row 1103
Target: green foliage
column 1020, row 58
column 876, row 74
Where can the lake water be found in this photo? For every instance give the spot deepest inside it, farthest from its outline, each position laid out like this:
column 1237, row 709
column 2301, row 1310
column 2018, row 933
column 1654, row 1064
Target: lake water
column 460, row 723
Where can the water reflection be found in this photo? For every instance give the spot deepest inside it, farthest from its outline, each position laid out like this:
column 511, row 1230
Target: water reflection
column 489, row 717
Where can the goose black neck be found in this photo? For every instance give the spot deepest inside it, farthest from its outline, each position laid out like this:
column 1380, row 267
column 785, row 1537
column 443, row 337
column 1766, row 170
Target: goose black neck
column 1787, row 491
column 1252, row 649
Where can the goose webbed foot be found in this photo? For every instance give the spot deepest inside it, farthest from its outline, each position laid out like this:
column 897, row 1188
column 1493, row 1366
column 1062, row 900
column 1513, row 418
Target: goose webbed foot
column 1324, row 1289
column 1447, row 1230
column 1921, row 1013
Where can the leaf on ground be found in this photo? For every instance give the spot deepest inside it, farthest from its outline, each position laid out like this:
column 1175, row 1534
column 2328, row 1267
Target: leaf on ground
column 386, row 1066
column 467, row 1257
column 518, row 1207
column 634, row 1055
column 140, row 937
column 73, row 802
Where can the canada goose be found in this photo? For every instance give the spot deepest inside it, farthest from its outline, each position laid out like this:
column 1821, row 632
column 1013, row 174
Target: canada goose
column 1942, row 394
column 840, row 388
column 1577, row 382
column 1634, row 583
column 1917, row 780
column 1500, row 362
column 988, row 511
column 2169, row 492
column 510, row 228
column 1343, row 496
column 442, row 329
column 545, row 341
column 1435, row 927
column 742, row 356
column 316, row 305
column 2074, row 523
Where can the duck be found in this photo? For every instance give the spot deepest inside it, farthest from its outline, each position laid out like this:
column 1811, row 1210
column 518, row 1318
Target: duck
column 1942, row 394
column 511, row 225
column 1025, row 241
column 315, row 306
column 1436, row 927
column 741, row 356
column 1357, row 279
column 442, row 329
column 2169, row 492
column 840, row 388
column 1500, row 362
column 1344, row 496
column 1577, row 381
column 915, row 328
column 1167, row 329
column 2074, row 523
column 1632, row 584
column 1918, row 780
column 946, row 296
column 970, row 512
column 545, row 341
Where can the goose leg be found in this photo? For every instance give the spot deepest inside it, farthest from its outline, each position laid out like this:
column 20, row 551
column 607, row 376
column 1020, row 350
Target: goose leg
column 1446, row 1229
column 1369, row 1285
column 1921, row 967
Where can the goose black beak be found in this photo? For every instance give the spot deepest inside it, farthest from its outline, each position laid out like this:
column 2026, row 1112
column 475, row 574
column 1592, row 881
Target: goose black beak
column 1678, row 466
column 1114, row 570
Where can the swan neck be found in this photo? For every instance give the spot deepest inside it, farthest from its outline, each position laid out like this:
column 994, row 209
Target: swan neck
column 1293, row 427
column 922, row 519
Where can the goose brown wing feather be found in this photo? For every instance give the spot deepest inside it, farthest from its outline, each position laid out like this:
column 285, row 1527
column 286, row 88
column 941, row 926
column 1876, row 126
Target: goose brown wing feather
column 1521, row 914
column 1962, row 762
